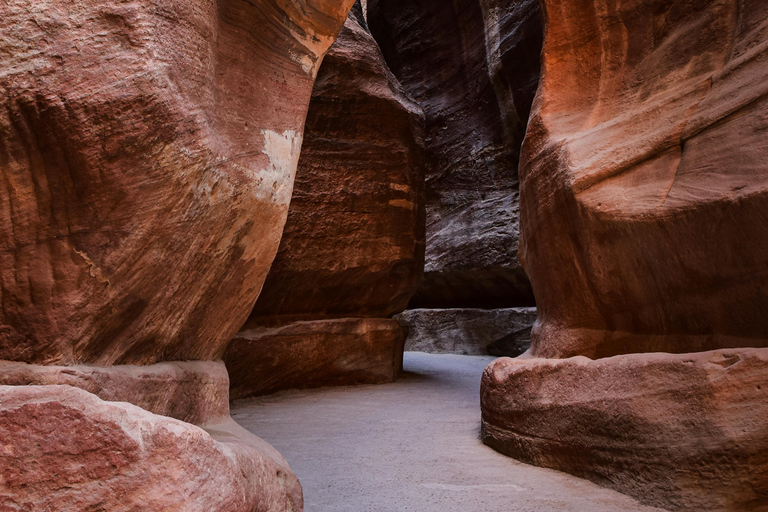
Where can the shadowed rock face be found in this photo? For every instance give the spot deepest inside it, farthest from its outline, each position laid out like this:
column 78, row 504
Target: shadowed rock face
column 353, row 244
column 643, row 178
column 682, row 432
column 147, row 152
column 473, row 67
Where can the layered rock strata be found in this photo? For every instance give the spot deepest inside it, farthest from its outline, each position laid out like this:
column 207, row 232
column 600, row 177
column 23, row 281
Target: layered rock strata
column 682, row 432
column 643, row 178
column 353, row 247
column 498, row 332
column 315, row 353
column 473, row 66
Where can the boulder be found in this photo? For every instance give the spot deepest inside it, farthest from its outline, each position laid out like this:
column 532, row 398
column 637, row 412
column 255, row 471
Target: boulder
column 147, row 151
column 679, row 431
column 498, row 332
column 316, row 353
column 65, row 450
column 473, row 66
column 643, row 178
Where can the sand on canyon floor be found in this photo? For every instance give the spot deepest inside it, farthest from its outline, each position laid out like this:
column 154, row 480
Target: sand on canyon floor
column 411, row 446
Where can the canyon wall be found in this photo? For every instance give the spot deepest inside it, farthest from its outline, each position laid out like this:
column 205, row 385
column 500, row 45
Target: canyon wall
column 353, row 247
column 644, row 194
column 473, row 67
column 147, row 151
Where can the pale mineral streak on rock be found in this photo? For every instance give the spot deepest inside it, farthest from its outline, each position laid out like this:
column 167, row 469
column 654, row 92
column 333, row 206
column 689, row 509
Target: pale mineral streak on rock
column 147, row 151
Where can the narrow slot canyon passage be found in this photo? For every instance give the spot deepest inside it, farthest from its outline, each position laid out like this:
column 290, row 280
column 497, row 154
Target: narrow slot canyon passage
column 412, row 445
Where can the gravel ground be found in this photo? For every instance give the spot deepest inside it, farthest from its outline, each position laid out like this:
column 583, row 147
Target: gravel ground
column 411, row 446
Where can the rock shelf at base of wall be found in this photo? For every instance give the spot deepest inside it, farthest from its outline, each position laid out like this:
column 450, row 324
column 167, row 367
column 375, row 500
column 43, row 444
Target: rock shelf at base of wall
column 683, row 432
column 77, row 441
column 498, row 332
column 308, row 354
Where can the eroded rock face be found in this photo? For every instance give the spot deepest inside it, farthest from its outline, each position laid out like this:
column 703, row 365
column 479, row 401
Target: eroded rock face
column 354, row 240
column 148, row 152
column 67, row 450
column 682, row 432
column 498, row 332
column 643, row 178
column 316, row 353
column 473, row 66
column 196, row 392
column 353, row 247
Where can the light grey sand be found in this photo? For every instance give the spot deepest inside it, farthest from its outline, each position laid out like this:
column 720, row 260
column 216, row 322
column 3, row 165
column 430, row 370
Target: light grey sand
column 411, row 446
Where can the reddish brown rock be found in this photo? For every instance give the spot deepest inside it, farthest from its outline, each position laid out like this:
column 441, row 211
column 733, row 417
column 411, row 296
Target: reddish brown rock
column 66, row 450
column 643, row 179
column 147, row 151
column 683, row 432
column 473, row 66
column 196, row 392
column 263, row 360
column 353, row 244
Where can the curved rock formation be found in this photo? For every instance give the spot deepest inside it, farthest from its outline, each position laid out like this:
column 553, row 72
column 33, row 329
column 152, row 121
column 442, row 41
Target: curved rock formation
column 147, row 152
column 643, row 178
column 353, row 246
column 67, row 450
column 473, row 66
column 682, row 432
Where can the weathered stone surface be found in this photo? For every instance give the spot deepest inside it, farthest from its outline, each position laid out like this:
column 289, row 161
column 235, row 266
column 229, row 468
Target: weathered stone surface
column 683, row 432
column 473, row 66
column 643, row 178
column 196, row 392
column 315, row 353
column 354, row 240
column 147, row 151
column 498, row 332
column 67, row 450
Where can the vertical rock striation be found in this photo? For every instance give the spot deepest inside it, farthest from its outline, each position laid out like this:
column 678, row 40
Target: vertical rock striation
column 644, row 181
column 473, row 66
column 353, row 247
column 644, row 193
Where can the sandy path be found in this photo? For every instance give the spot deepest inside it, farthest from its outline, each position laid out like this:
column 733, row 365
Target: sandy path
column 411, row 446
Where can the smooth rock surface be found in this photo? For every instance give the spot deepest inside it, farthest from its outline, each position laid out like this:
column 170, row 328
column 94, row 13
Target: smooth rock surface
column 498, row 332
column 196, row 392
column 316, row 353
column 147, row 153
column 644, row 183
column 65, row 450
column 683, row 432
column 411, row 446
column 353, row 244
column 473, row 66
